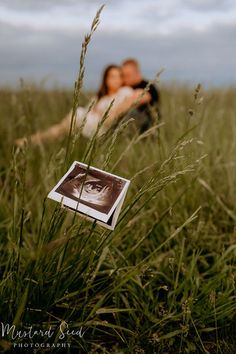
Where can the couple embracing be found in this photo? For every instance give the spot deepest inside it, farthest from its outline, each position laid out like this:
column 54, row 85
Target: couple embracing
column 125, row 87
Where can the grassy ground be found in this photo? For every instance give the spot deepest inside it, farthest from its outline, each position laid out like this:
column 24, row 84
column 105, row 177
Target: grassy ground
column 164, row 280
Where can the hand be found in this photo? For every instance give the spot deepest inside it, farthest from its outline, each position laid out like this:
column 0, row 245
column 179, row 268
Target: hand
column 137, row 93
column 142, row 96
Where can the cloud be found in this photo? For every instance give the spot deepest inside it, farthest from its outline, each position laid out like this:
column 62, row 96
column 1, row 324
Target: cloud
column 209, row 5
column 60, row 18
column 146, row 17
column 192, row 44
column 41, row 5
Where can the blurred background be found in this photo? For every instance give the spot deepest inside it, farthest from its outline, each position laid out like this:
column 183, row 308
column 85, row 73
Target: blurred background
column 193, row 40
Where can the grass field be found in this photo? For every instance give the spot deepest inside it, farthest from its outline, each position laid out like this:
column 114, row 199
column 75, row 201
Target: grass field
column 164, row 280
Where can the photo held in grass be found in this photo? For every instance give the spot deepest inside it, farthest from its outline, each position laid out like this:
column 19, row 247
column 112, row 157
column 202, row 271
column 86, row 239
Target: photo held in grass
column 93, row 193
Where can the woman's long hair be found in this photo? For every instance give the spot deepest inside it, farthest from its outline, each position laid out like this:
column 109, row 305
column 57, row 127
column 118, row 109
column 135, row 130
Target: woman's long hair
column 103, row 90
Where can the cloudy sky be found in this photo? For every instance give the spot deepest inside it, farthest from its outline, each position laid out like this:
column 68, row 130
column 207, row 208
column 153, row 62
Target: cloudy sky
column 193, row 40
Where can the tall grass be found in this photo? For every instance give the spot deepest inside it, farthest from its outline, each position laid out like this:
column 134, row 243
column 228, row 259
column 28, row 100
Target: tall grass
column 164, row 280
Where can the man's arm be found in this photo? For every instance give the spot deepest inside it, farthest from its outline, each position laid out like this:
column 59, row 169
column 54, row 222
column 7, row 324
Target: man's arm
column 146, row 98
column 130, row 101
column 151, row 96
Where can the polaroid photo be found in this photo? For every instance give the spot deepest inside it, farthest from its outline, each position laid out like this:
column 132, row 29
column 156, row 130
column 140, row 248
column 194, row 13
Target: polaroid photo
column 92, row 193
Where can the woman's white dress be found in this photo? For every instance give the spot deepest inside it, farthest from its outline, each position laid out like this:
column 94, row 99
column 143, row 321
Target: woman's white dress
column 94, row 116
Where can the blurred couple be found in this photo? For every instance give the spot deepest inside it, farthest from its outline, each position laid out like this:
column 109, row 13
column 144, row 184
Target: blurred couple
column 123, row 85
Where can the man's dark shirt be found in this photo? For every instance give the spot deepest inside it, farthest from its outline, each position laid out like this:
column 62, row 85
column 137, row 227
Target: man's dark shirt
column 145, row 120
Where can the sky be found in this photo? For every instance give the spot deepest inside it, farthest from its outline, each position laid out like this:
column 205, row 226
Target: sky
column 192, row 40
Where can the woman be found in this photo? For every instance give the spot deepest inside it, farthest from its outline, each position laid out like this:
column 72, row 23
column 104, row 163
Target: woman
column 111, row 89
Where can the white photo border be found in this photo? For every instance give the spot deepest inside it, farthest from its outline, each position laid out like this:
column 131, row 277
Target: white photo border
column 78, row 205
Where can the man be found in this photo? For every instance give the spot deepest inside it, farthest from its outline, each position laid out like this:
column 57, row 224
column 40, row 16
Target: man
column 132, row 77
